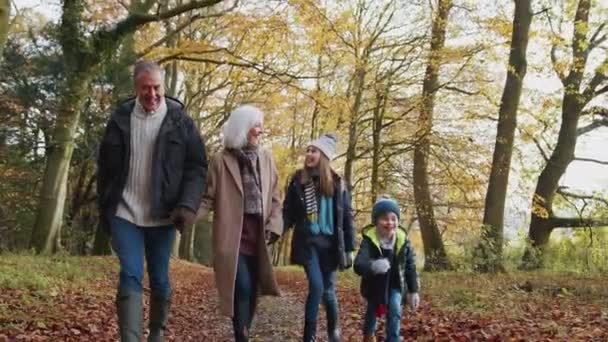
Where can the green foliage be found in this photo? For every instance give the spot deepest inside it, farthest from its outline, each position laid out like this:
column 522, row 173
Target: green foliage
column 36, row 273
column 466, row 298
column 30, row 81
column 580, row 252
column 584, row 253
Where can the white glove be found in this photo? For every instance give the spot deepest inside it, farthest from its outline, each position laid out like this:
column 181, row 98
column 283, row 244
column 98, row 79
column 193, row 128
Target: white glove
column 381, row 266
column 414, row 300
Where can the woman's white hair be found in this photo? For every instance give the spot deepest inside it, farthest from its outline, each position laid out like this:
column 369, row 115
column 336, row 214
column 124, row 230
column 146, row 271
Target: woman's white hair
column 241, row 120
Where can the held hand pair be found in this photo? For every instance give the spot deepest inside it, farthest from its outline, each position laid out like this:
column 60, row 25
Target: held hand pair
column 271, row 237
column 182, row 217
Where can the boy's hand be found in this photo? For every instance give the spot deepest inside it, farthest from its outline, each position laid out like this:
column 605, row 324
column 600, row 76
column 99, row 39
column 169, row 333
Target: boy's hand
column 414, row 300
column 381, row 266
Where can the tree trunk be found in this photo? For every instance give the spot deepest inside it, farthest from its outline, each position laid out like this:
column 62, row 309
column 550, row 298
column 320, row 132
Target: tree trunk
column 202, row 243
column 377, row 142
column 101, row 244
column 54, row 185
column 120, row 74
column 490, row 247
column 5, row 8
column 82, row 192
column 176, row 244
column 543, row 220
column 286, row 247
column 542, row 212
column 434, row 251
column 317, row 107
column 5, row 13
column 351, row 151
column 172, row 80
column 186, row 243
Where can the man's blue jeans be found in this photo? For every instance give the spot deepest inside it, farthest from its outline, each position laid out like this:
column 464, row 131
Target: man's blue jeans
column 393, row 317
column 131, row 243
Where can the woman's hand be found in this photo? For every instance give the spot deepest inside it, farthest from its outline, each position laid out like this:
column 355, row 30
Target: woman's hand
column 271, row 237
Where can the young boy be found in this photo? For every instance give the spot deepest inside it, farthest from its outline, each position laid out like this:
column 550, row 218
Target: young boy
column 387, row 266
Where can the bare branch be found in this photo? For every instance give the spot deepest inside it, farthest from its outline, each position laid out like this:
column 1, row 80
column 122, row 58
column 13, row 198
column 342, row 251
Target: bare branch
column 540, row 149
column 602, row 121
column 135, row 20
column 123, row 4
column 592, row 126
column 590, row 160
column 466, row 92
column 245, row 64
column 183, row 26
column 596, row 110
column 554, row 46
column 601, row 90
column 596, row 40
column 380, row 28
column 576, row 222
column 331, row 25
column 170, row 35
column 600, row 76
column 565, row 193
column 555, row 64
column 544, row 10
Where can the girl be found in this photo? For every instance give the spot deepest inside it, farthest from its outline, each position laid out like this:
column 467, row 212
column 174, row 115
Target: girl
column 318, row 205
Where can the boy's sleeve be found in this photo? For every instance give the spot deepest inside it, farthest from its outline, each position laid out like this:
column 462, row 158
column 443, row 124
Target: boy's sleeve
column 411, row 275
column 363, row 260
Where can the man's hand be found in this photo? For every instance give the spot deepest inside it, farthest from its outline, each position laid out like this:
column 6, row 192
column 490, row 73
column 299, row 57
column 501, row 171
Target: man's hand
column 182, row 217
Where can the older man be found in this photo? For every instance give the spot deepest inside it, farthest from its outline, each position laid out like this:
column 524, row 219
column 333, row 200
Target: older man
column 151, row 174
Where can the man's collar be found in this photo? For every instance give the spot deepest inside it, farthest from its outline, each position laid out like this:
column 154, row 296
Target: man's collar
column 139, row 108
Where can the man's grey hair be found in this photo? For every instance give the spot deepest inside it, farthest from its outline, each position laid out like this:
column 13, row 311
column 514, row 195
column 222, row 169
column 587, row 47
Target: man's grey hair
column 142, row 67
column 241, row 120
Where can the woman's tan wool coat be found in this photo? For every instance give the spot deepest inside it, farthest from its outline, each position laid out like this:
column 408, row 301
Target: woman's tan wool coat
column 224, row 197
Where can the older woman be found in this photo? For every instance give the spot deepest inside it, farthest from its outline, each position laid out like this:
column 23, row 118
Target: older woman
column 243, row 193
